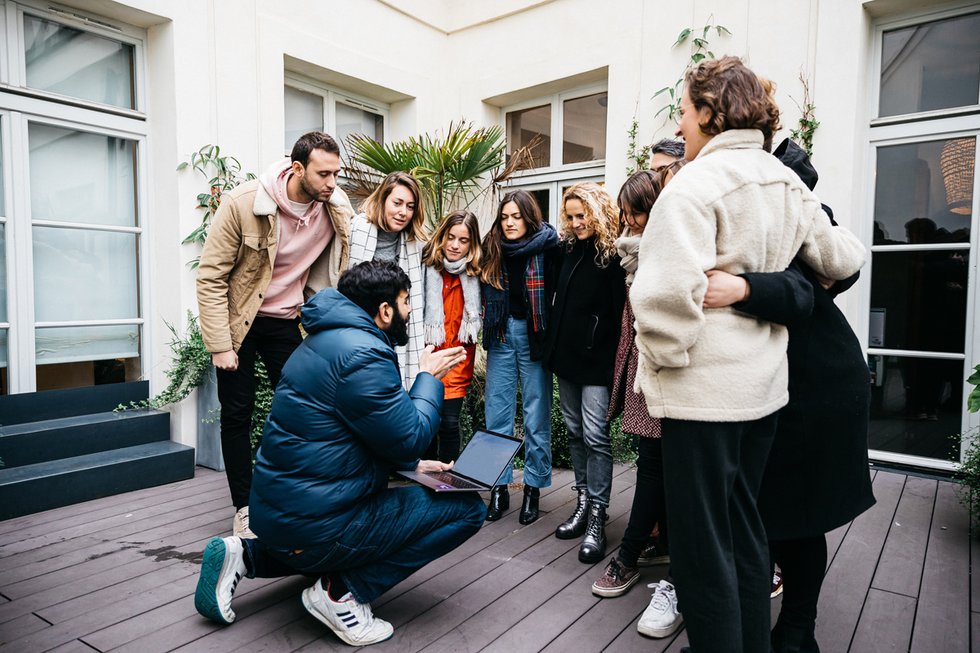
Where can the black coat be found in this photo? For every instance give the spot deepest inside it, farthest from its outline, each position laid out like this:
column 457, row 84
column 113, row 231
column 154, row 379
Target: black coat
column 817, row 477
column 585, row 320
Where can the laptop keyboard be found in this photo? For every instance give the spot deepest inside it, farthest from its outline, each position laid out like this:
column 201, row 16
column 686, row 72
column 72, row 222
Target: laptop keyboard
column 455, row 481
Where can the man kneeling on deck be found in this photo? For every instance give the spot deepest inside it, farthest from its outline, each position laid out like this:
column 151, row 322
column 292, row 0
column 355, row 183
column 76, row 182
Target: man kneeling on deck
column 340, row 423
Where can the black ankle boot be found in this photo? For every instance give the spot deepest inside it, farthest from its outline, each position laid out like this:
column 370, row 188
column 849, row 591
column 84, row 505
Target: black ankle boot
column 499, row 502
column 575, row 525
column 593, row 547
column 529, row 508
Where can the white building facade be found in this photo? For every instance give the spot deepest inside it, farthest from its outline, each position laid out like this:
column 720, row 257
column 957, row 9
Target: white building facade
column 100, row 101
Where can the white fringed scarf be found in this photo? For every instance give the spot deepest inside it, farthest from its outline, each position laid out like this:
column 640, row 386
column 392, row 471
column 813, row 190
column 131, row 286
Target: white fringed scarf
column 435, row 316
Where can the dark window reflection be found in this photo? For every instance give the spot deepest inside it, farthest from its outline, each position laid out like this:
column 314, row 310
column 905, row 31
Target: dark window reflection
column 918, row 300
column 524, row 126
column 544, row 202
column 924, row 192
column 916, row 406
column 930, row 66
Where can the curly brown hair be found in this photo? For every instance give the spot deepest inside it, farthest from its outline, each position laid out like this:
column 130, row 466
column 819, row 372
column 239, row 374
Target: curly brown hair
column 600, row 214
column 734, row 96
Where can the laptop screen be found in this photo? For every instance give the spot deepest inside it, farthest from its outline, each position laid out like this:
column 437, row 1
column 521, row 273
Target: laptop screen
column 485, row 456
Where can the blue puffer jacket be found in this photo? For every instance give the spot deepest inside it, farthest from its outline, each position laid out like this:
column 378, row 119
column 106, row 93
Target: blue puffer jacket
column 340, row 422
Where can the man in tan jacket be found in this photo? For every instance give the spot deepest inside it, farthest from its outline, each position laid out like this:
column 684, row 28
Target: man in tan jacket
column 275, row 241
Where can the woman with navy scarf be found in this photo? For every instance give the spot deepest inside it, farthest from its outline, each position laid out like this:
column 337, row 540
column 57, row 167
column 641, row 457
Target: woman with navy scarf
column 518, row 282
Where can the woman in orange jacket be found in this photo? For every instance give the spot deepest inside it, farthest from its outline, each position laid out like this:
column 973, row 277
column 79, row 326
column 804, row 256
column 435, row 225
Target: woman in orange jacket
column 452, row 315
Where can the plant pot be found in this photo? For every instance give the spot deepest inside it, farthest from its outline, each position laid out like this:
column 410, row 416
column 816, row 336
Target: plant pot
column 209, row 423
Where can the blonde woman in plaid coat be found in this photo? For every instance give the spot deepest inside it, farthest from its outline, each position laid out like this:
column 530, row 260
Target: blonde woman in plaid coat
column 391, row 227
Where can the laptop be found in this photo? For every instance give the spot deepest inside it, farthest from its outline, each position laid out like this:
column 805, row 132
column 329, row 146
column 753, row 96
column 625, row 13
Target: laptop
column 480, row 464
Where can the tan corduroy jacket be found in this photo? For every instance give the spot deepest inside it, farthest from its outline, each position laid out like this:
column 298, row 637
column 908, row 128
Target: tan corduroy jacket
column 236, row 264
column 738, row 209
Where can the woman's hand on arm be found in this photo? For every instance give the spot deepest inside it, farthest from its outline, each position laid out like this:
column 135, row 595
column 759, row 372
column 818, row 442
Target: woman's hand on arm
column 725, row 289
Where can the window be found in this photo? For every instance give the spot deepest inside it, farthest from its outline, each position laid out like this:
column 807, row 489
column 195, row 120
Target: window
column 921, row 336
column 568, row 134
column 312, row 107
column 71, row 140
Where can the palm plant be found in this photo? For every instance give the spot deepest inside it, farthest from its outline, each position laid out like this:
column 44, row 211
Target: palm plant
column 454, row 170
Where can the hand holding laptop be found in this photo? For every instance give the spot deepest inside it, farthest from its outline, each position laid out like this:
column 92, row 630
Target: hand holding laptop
column 438, row 363
column 433, row 466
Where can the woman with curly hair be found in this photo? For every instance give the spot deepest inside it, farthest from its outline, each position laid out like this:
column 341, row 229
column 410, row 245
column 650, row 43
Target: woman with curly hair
column 391, row 227
column 717, row 377
column 520, row 259
column 452, row 316
column 581, row 351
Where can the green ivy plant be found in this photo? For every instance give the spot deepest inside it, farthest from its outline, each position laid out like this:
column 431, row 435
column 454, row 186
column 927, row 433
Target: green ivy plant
column 223, row 173
column 969, row 470
column 638, row 157
column 808, row 123
column 190, row 361
column 700, row 50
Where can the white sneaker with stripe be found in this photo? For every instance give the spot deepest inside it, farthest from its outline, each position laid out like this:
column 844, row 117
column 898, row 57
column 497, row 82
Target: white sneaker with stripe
column 351, row 621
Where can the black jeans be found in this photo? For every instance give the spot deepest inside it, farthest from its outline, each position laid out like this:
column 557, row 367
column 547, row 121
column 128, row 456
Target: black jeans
column 649, row 503
column 719, row 556
column 274, row 340
column 803, row 562
column 445, row 445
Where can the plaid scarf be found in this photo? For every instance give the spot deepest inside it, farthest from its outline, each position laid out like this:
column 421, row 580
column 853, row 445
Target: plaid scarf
column 496, row 306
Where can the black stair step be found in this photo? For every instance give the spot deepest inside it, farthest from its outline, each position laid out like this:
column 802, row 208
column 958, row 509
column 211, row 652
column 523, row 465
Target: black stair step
column 67, row 437
column 54, row 404
column 42, row 486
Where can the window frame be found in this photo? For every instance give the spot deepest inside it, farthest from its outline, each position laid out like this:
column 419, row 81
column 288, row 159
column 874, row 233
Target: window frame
column 331, row 95
column 913, row 128
column 553, row 177
column 19, row 107
column 911, row 20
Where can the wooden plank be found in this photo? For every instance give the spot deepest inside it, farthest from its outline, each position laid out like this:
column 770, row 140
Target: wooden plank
column 900, row 567
column 849, row 576
column 40, row 576
column 21, row 626
column 114, row 604
column 975, row 577
column 942, row 621
column 885, row 623
column 181, row 615
column 113, row 527
column 257, row 613
column 74, row 646
column 974, row 631
column 158, row 494
column 64, row 518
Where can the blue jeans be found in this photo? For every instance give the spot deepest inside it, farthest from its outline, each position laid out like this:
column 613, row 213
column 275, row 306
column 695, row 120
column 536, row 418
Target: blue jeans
column 506, row 362
column 397, row 532
column 585, row 408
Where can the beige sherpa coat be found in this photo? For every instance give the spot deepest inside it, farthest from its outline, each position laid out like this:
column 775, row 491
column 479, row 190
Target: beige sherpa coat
column 738, row 209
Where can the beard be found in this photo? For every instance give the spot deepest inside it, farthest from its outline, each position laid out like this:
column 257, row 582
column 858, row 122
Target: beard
column 398, row 331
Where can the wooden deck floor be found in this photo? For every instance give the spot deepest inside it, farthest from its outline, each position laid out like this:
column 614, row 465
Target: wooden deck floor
column 118, row 574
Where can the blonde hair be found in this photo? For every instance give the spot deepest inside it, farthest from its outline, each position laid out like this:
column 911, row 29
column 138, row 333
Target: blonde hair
column 374, row 205
column 600, row 214
column 433, row 253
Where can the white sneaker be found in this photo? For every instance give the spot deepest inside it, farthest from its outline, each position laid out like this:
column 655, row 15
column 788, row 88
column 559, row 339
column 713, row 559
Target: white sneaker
column 351, row 621
column 240, row 525
column 661, row 617
column 222, row 566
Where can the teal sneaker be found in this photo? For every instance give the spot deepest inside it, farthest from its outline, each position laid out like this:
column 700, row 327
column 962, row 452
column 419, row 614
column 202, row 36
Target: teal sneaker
column 222, row 566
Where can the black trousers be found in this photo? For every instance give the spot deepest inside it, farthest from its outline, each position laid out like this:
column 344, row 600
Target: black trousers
column 719, row 554
column 445, row 445
column 274, row 340
column 803, row 563
column 649, row 503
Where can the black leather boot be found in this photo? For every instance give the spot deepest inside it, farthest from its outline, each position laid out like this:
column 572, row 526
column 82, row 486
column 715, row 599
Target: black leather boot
column 575, row 525
column 499, row 502
column 593, row 547
column 529, row 508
